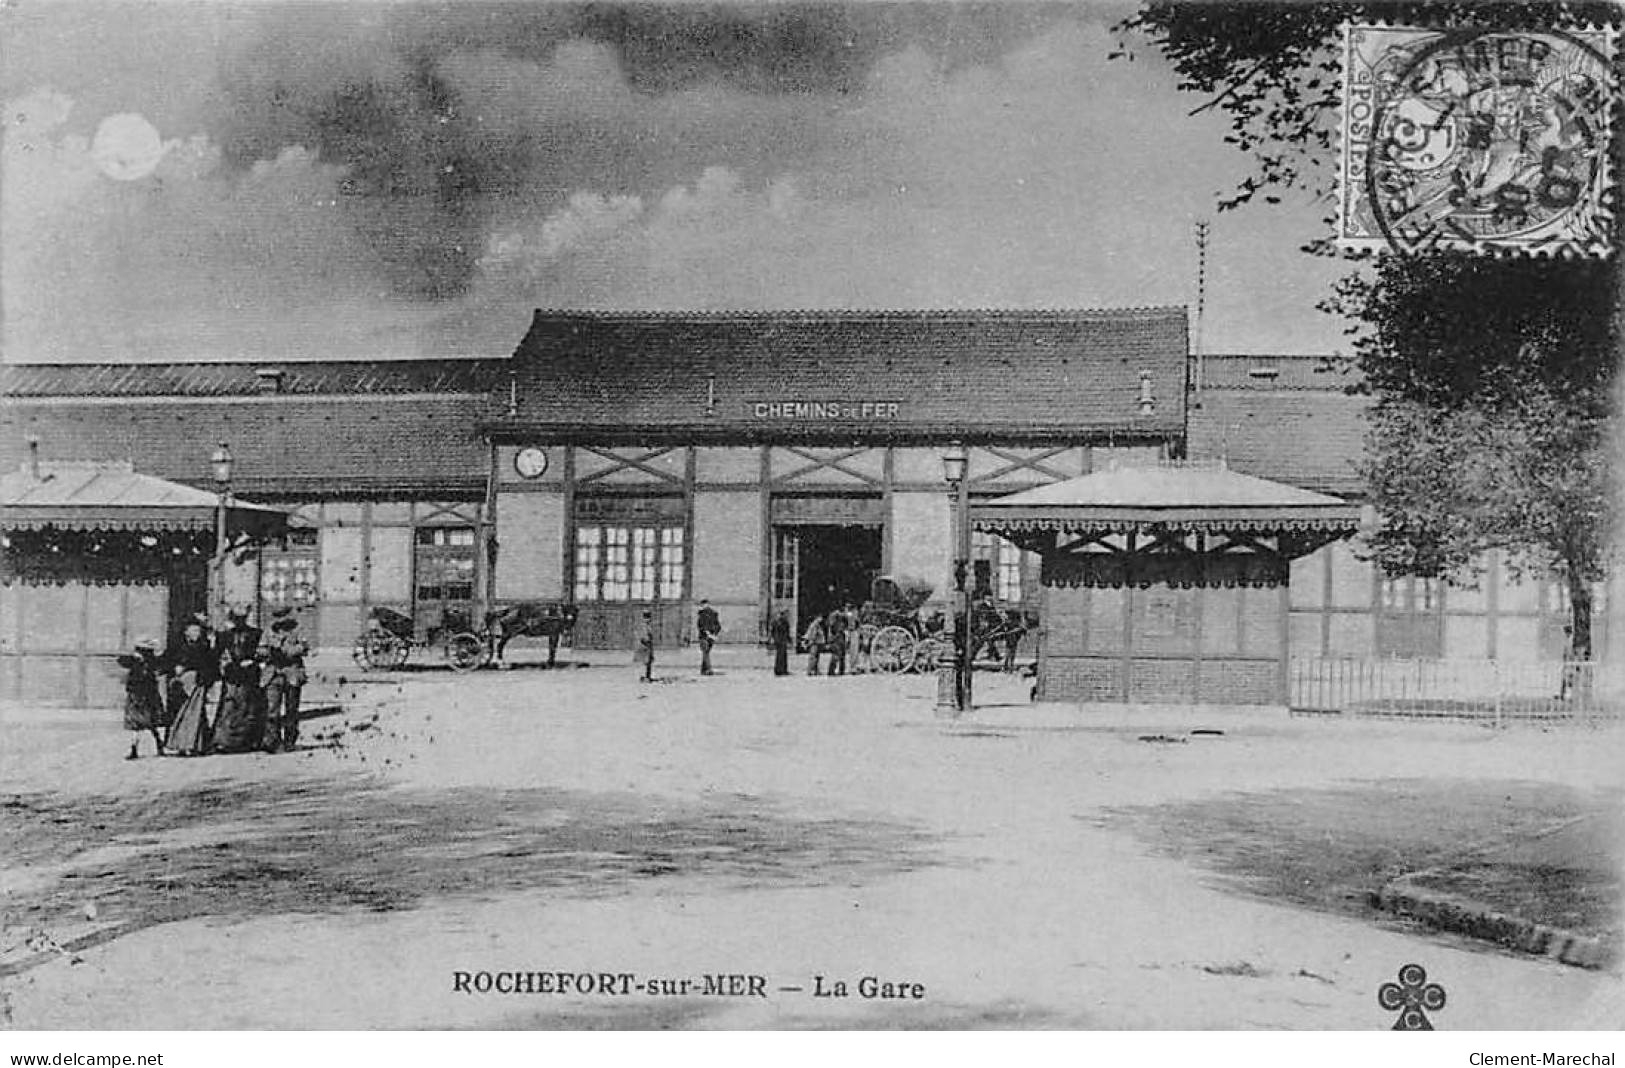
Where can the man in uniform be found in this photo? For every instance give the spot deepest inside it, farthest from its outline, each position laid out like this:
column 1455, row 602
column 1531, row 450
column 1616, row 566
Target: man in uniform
column 645, row 653
column 708, row 626
column 284, row 677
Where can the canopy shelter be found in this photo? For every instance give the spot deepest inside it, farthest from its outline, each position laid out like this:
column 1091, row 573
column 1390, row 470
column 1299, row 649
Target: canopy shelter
column 1166, row 583
column 115, row 497
column 95, row 556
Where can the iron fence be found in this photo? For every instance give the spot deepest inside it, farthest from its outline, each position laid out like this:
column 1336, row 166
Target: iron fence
column 1495, row 691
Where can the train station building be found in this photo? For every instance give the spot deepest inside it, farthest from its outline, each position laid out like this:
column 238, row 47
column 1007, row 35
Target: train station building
column 765, row 461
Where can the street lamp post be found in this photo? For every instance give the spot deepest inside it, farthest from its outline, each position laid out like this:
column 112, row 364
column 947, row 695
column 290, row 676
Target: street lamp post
column 955, row 466
column 221, row 461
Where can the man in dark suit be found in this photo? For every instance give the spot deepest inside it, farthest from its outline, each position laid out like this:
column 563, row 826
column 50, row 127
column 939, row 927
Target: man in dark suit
column 778, row 633
column 708, row 626
column 835, row 636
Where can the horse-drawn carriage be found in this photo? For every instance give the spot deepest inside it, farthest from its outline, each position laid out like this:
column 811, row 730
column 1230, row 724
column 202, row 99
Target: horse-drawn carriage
column 895, row 631
column 900, row 637
column 391, row 636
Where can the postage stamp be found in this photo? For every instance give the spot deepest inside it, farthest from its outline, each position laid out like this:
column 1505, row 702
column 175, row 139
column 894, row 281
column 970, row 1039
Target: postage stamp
column 1482, row 140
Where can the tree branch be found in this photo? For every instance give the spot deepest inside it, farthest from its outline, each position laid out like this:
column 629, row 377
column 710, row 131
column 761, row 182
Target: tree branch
column 1233, row 88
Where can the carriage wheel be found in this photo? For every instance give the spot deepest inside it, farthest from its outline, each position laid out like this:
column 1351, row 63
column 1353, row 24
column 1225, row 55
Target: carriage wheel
column 891, row 650
column 928, row 653
column 401, row 650
column 376, row 650
column 466, row 651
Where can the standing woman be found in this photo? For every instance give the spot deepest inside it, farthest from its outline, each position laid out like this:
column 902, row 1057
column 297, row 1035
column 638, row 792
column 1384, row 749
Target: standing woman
column 866, row 638
column 240, row 724
column 143, row 704
column 854, row 638
column 192, row 662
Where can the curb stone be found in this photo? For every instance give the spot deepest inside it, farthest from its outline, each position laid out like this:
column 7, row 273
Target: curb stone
column 1475, row 919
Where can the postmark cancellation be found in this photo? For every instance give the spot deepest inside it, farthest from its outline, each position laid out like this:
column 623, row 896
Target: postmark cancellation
column 1482, row 140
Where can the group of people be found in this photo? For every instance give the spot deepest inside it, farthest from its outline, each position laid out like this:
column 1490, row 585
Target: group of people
column 255, row 681
column 707, row 625
column 839, row 634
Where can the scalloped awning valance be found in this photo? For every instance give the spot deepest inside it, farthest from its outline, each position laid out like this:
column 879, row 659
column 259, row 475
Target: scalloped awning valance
column 255, row 522
column 1172, row 496
column 1343, row 520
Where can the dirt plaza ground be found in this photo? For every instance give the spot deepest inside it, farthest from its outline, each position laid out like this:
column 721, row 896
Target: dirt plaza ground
column 1029, row 866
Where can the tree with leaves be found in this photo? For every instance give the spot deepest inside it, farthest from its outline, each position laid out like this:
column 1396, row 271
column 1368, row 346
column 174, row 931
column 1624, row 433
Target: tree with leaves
column 1492, row 378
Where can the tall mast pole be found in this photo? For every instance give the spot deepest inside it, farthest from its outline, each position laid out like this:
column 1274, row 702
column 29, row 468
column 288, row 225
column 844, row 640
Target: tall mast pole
column 1202, row 227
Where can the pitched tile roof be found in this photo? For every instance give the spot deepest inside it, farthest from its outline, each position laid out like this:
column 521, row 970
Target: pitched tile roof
column 969, row 371
column 414, row 426
column 373, row 444
column 240, row 379
column 1308, row 438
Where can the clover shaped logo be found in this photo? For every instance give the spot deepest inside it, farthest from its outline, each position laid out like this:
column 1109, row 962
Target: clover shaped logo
column 1409, row 997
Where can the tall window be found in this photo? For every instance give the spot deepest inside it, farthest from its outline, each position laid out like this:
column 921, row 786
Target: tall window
column 1004, row 561
column 671, row 562
column 645, row 563
column 628, row 563
column 785, row 544
column 288, row 575
column 445, row 564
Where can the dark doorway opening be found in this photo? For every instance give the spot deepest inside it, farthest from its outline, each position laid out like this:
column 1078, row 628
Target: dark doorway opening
column 837, row 564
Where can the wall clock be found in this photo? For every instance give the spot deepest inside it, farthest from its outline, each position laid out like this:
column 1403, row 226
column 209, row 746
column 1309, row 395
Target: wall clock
column 530, row 462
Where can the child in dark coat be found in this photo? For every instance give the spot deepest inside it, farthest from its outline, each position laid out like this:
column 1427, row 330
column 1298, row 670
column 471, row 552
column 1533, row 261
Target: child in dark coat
column 143, row 704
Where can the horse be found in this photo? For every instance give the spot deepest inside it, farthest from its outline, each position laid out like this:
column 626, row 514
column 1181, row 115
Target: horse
column 531, row 619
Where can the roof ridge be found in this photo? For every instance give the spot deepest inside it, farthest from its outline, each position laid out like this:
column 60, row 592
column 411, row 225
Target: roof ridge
column 122, row 466
column 1273, row 356
column 284, row 364
column 1331, row 388
column 757, row 314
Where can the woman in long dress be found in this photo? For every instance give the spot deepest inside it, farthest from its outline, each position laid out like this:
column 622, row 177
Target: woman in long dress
column 193, row 663
column 240, row 725
column 143, row 703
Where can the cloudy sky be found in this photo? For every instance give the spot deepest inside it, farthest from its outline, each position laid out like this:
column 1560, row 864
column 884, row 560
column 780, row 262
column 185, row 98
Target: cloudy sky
column 377, row 179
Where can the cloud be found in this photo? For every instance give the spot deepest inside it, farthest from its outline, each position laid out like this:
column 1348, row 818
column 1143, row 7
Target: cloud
column 1015, row 182
column 508, row 97
column 168, row 264
column 380, row 189
column 1039, row 178
column 587, row 218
